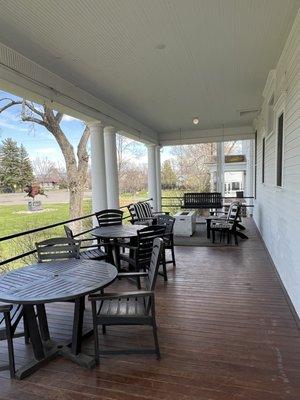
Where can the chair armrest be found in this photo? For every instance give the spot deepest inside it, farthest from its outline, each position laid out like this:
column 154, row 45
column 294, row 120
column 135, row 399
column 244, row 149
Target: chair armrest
column 111, row 296
column 5, row 308
column 131, row 274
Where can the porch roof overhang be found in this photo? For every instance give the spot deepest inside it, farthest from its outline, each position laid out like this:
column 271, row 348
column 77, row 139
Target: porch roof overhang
column 147, row 69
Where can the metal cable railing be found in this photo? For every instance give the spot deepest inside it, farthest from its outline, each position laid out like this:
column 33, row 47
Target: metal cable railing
column 47, row 227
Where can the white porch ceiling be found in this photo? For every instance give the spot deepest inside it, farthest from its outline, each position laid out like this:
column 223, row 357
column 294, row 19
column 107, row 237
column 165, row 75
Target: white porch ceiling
column 159, row 61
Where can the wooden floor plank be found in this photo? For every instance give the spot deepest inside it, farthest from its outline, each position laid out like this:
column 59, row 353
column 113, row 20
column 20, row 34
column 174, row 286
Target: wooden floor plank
column 226, row 332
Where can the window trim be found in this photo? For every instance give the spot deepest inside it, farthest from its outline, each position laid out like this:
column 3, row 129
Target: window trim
column 279, row 174
column 279, row 109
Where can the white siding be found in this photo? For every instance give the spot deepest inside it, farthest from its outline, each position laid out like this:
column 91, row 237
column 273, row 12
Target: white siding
column 277, row 210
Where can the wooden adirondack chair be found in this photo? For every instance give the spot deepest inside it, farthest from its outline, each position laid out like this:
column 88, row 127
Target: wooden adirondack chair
column 139, row 256
column 91, row 252
column 129, row 308
column 168, row 222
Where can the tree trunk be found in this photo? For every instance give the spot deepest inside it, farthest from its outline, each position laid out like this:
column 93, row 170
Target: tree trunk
column 76, row 205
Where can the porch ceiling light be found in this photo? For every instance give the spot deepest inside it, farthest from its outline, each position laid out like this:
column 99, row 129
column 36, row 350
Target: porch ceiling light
column 196, row 121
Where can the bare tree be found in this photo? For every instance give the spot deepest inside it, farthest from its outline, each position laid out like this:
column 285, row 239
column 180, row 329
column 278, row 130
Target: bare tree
column 76, row 162
column 127, row 150
column 43, row 169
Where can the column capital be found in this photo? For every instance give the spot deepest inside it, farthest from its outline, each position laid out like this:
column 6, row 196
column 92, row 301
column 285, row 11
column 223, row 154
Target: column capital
column 151, row 145
column 111, row 130
column 94, row 125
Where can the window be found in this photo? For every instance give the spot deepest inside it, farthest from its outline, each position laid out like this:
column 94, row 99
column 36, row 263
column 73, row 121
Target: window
column 279, row 149
column 263, row 160
column 235, row 185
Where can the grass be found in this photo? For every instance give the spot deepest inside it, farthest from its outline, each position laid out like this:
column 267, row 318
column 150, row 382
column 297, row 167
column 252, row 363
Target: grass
column 14, row 219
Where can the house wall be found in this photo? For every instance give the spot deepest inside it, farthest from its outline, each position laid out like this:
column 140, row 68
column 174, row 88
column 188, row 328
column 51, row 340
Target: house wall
column 277, row 209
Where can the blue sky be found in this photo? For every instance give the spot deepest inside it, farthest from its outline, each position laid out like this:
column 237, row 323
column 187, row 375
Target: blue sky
column 38, row 141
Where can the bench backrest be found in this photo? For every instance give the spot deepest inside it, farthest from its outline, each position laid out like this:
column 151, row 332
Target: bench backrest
column 202, row 200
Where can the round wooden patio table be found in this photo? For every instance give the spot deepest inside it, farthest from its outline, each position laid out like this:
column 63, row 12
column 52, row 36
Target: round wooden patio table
column 111, row 235
column 117, row 231
column 49, row 282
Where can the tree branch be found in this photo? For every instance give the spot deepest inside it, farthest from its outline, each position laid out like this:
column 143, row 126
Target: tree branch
column 11, row 103
column 58, row 117
column 28, row 118
column 33, row 109
column 82, row 153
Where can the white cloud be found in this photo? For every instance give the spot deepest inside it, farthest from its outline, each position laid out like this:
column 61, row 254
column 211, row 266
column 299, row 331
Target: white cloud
column 8, row 125
column 68, row 118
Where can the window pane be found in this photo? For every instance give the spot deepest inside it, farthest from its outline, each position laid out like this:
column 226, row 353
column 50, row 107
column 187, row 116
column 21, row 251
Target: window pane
column 279, row 150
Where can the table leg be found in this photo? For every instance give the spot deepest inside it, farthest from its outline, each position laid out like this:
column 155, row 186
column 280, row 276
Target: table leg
column 116, row 249
column 77, row 325
column 43, row 323
column 34, row 333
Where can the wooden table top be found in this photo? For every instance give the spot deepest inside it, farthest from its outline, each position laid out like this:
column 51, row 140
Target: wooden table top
column 117, row 231
column 55, row 281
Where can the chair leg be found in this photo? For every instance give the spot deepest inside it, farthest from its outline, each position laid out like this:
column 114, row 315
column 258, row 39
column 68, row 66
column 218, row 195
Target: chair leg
column 173, row 255
column 96, row 337
column 164, row 264
column 154, row 328
column 104, row 329
column 236, row 239
column 213, row 235
column 228, row 236
column 11, row 358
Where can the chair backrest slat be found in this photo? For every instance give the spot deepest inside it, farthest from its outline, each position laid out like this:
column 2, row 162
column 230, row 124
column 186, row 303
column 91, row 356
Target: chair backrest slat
column 140, row 211
column 167, row 221
column 146, row 237
column 15, row 316
column 69, row 232
column 58, row 249
column 109, row 217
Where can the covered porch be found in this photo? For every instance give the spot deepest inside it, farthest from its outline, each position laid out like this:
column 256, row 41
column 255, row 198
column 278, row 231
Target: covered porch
column 176, row 73
column 225, row 328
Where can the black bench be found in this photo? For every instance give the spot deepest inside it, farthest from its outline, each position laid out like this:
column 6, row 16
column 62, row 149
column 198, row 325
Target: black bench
column 202, row 200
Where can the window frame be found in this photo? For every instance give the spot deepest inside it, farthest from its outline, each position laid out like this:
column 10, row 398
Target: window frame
column 279, row 109
column 279, row 151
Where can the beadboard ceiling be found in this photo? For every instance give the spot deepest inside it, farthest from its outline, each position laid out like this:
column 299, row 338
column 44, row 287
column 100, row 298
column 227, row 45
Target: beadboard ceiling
column 159, row 61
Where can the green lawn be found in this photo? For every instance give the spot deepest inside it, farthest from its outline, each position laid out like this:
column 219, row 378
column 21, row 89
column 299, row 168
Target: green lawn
column 14, row 219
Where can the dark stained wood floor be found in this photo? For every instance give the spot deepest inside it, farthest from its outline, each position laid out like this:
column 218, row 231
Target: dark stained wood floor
column 225, row 330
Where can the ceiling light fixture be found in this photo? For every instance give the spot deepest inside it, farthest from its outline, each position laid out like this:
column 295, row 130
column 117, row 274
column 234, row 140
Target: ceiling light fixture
column 196, row 121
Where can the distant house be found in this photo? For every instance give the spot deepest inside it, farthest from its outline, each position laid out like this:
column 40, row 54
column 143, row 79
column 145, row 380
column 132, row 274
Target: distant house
column 51, row 182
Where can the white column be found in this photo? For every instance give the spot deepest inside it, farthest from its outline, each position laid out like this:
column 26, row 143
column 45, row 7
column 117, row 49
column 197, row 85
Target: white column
column 99, row 196
column 220, row 167
column 111, row 167
column 158, row 177
column 249, row 189
column 152, row 185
